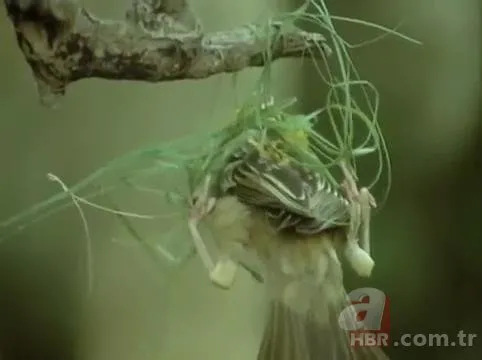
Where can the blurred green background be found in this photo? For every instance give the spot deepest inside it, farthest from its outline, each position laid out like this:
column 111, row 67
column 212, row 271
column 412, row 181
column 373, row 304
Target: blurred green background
column 425, row 240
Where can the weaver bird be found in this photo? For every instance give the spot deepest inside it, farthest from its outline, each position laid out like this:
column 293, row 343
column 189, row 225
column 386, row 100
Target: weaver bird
column 296, row 222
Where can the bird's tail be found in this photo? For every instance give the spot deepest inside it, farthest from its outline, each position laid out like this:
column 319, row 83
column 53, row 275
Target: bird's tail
column 291, row 335
column 306, row 297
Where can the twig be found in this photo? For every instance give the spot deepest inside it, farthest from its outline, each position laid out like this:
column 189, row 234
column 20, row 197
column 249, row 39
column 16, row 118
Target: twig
column 159, row 40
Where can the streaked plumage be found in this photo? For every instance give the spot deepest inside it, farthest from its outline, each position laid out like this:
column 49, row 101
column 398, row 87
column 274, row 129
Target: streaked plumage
column 293, row 220
column 293, row 197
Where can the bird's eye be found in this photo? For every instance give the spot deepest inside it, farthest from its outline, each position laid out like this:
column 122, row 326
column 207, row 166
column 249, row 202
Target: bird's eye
column 194, row 200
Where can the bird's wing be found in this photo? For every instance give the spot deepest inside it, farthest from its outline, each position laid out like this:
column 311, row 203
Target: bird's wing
column 291, row 196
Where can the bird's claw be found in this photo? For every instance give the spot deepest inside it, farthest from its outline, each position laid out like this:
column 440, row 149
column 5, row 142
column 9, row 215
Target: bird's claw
column 224, row 273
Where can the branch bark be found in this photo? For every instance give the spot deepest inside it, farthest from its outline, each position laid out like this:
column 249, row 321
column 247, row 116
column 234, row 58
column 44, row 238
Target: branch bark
column 159, row 40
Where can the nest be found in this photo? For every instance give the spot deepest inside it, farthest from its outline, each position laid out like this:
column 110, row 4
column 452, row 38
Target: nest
column 353, row 132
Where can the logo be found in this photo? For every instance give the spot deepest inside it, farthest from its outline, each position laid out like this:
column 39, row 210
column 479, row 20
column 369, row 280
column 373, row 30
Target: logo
column 367, row 319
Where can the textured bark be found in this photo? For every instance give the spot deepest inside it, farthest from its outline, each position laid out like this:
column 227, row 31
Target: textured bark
column 159, row 40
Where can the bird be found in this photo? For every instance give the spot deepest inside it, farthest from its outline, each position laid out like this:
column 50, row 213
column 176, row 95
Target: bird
column 263, row 200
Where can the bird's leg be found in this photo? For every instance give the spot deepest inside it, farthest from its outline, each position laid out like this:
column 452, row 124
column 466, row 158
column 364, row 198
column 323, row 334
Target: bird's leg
column 222, row 272
column 361, row 202
column 355, row 217
column 200, row 206
column 366, row 202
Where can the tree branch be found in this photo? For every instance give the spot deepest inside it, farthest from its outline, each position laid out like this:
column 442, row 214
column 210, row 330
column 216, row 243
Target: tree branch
column 160, row 40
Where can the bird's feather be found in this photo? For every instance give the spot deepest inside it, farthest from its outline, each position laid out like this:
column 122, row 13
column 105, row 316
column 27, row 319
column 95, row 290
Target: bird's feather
column 291, row 218
column 304, row 281
column 293, row 197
